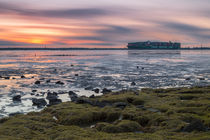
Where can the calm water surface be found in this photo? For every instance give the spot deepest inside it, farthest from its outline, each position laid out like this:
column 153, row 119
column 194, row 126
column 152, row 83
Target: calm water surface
column 113, row 69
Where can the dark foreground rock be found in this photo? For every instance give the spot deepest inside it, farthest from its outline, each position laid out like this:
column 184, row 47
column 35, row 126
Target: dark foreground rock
column 54, row 102
column 59, row 83
column 96, row 90
column 37, row 82
column 39, row 102
column 16, row 98
column 105, row 91
column 73, row 96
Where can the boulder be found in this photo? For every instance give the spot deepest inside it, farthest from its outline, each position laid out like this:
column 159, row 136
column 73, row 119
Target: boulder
column 92, row 96
column 96, row 90
column 7, row 78
column 188, row 79
column 201, row 79
column 51, row 96
column 37, row 82
column 16, row 98
column 105, row 90
column 72, row 93
column 73, row 98
column 22, row 76
column 39, row 102
column 59, row 83
column 133, row 84
column 54, row 101
column 34, row 90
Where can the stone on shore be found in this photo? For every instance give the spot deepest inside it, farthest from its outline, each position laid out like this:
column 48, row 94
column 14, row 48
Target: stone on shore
column 16, row 98
column 39, row 102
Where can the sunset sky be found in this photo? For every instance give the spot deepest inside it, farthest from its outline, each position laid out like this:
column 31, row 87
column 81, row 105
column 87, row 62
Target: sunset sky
column 102, row 23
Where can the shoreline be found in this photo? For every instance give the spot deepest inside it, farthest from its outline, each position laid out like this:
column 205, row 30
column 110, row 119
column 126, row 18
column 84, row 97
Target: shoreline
column 173, row 113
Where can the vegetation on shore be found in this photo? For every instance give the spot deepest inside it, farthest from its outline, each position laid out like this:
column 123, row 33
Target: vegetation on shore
column 150, row 114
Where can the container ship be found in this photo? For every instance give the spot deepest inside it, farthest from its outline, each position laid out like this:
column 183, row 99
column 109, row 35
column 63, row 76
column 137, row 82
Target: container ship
column 154, row 45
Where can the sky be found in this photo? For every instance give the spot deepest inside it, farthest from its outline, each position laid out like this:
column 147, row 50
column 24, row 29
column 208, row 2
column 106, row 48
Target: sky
column 103, row 23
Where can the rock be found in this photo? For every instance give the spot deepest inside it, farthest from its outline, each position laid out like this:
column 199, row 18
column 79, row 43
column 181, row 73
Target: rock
column 72, row 65
column 34, row 90
column 37, row 82
column 51, row 96
column 142, row 68
column 7, row 78
column 39, row 102
column 13, row 78
column 201, row 79
column 73, row 96
column 105, row 90
column 96, row 90
column 22, row 76
column 137, row 67
column 54, row 101
column 72, row 93
column 188, row 79
column 59, row 83
column 195, row 125
column 76, row 74
column 42, row 79
column 32, row 77
column 48, row 81
column 133, row 84
column 16, row 98
column 37, row 94
column 32, row 94
column 92, row 96
column 121, row 105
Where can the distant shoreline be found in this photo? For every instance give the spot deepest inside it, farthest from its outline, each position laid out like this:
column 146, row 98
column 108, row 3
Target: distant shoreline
column 2, row 49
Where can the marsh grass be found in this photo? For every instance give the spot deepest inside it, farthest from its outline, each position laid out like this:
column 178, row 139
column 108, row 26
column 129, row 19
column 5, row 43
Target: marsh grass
column 162, row 115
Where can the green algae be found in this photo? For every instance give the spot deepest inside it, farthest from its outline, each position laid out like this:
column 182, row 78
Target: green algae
column 150, row 114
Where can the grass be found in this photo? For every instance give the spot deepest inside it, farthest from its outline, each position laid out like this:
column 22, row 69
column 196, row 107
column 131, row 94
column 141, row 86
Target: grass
column 150, row 114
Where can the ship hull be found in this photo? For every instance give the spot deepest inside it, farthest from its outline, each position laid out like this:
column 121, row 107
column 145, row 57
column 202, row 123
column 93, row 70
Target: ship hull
column 154, row 45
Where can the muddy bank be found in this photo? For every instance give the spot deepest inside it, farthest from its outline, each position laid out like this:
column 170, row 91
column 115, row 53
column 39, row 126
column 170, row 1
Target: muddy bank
column 175, row 113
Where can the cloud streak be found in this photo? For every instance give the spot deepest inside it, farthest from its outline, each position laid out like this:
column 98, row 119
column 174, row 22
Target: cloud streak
column 104, row 23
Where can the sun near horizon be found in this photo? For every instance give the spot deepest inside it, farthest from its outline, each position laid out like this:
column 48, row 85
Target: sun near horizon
column 104, row 24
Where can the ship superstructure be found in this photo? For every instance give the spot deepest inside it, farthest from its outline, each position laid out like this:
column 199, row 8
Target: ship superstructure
column 154, row 45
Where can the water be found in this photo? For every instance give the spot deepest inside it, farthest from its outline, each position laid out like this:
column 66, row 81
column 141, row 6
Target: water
column 113, row 69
